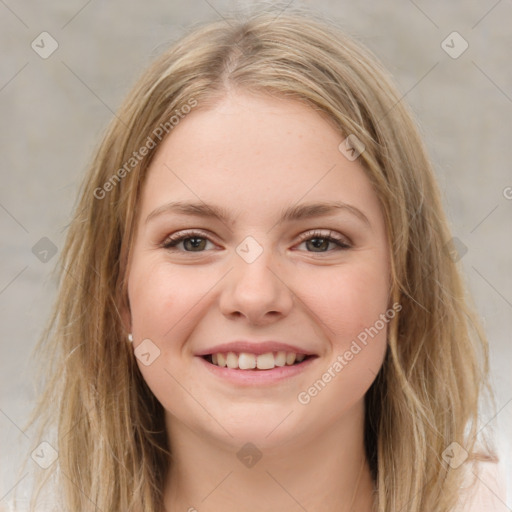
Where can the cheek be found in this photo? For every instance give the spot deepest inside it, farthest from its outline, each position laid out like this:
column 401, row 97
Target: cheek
column 349, row 300
column 342, row 305
column 352, row 312
column 161, row 297
column 165, row 302
column 162, row 304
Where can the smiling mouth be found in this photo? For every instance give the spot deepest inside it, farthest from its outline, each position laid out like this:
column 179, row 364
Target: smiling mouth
column 258, row 362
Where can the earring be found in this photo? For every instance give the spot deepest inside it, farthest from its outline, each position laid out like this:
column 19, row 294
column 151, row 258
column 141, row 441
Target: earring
column 130, row 337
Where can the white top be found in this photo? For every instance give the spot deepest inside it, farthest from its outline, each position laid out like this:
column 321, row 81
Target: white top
column 489, row 490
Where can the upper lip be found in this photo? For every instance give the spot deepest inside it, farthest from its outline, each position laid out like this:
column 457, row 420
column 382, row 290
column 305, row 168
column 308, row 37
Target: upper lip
column 253, row 347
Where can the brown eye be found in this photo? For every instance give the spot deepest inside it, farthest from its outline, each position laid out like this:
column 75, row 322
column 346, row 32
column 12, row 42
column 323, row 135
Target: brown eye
column 319, row 242
column 192, row 242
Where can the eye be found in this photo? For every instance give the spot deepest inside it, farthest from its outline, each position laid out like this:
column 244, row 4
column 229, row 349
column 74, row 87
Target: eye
column 196, row 241
column 320, row 241
column 193, row 241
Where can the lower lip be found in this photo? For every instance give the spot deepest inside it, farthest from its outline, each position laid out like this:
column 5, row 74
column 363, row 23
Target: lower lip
column 257, row 377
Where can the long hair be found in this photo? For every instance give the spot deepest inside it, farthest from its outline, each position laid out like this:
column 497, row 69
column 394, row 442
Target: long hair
column 110, row 431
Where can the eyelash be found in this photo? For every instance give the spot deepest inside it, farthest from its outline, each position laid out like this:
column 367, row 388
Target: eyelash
column 171, row 242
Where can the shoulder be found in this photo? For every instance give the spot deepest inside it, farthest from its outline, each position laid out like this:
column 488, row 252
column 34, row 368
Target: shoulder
column 484, row 488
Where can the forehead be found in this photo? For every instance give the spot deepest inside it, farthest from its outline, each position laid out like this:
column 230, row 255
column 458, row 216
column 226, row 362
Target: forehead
column 255, row 154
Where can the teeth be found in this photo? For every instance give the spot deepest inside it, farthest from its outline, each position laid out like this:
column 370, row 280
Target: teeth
column 290, row 358
column 247, row 361
column 232, row 360
column 280, row 359
column 265, row 361
column 221, row 360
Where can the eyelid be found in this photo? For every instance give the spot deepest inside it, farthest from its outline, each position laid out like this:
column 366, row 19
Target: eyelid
column 331, row 235
column 341, row 241
column 179, row 236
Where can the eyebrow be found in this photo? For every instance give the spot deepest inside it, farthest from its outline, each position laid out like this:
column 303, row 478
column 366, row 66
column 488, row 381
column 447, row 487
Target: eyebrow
column 293, row 213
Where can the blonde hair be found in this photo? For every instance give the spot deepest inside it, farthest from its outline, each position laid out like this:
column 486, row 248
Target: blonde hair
column 112, row 445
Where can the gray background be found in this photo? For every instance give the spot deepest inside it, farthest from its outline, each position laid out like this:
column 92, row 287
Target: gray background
column 54, row 111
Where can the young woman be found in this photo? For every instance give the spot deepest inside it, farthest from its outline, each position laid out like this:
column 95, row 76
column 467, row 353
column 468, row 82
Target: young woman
column 259, row 309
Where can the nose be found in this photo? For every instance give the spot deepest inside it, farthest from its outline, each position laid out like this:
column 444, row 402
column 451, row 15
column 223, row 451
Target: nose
column 257, row 291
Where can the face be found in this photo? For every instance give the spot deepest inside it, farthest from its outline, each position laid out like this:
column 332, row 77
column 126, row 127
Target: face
column 247, row 272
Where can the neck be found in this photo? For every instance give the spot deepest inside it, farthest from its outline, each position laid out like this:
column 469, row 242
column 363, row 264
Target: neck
column 326, row 472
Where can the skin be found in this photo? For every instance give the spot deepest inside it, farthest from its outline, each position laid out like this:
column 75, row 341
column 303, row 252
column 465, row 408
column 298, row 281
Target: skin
column 256, row 156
